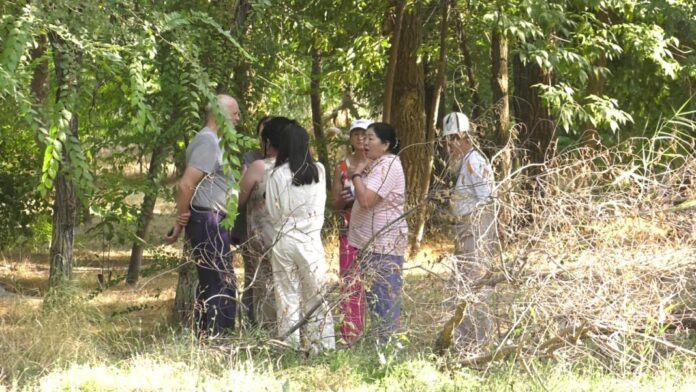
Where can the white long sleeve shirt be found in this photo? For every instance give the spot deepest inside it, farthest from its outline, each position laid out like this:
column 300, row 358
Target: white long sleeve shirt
column 474, row 184
column 295, row 211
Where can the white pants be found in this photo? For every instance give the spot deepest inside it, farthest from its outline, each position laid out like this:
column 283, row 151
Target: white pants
column 299, row 275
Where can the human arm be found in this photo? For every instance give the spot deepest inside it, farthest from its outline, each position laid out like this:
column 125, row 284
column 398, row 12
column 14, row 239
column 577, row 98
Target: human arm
column 339, row 196
column 184, row 193
column 252, row 176
column 365, row 197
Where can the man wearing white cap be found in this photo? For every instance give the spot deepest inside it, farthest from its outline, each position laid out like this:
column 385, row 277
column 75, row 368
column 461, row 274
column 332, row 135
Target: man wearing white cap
column 475, row 226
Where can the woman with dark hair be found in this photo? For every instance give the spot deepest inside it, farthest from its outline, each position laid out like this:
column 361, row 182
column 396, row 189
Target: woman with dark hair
column 295, row 199
column 258, row 295
column 378, row 229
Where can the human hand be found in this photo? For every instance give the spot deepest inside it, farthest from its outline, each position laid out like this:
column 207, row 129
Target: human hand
column 347, row 196
column 173, row 235
column 357, row 169
column 183, row 218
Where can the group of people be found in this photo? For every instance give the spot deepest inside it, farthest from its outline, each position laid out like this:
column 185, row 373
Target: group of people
column 282, row 198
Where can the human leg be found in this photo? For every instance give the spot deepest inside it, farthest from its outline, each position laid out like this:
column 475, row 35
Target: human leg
column 216, row 284
column 352, row 292
column 384, row 295
column 311, row 265
column 287, row 286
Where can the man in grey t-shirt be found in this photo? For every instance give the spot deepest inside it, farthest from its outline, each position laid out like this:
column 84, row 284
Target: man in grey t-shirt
column 200, row 202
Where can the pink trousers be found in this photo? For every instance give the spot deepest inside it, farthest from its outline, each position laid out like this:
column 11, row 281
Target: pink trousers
column 352, row 292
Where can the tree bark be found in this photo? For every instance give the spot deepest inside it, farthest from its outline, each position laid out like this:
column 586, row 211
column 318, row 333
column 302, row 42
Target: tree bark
column 315, row 103
column 477, row 107
column 409, row 114
column 185, row 298
column 499, row 86
column 537, row 128
column 146, row 213
column 393, row 57
column 240, row 70
column 65, row 202
column 595, row 86
column 431, row 117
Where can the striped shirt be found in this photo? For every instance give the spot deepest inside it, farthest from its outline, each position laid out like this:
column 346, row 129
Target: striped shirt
column 385, row 176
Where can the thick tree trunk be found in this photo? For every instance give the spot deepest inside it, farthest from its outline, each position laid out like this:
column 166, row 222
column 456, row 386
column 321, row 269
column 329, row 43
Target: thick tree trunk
column 393, row 57
column 477, row 107
column 499, row 86
column 315, row 103
column 65, row 202
column 146, row 213
column 409, row 114
column 537, row 128
column 430, row 137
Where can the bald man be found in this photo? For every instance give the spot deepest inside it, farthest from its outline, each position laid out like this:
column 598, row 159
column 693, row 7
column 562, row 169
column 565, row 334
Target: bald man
column 201, row 206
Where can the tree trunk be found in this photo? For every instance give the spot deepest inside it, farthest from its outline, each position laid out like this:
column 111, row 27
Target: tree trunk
column 185, row 298
column 477, row 107
column 499, row 86
column 431, row 118
column 393, row 56
column 537, row 128
column 240, row 70
column 64, row 219
column 65, row 203
column 409, row 114
column 315, row 102
column 595, row 86
column 39, row 80
column 146, row 213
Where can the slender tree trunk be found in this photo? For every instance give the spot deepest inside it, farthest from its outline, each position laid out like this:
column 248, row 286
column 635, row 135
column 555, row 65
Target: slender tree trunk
column 315, row 102
column 499, row 86
column 65, row 202
column 595, row 86
column 477, row 109
column 393, row 57
column 240, row 69
column 409, row 114
column 146, row 213
column 431, row 116
column 185, row 297
column 537, row 128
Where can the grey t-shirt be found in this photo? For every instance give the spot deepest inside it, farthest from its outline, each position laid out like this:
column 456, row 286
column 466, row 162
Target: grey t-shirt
column 204, row 153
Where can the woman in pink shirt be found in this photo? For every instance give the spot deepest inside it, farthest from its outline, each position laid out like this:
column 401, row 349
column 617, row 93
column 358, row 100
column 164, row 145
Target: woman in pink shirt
column 378, row 228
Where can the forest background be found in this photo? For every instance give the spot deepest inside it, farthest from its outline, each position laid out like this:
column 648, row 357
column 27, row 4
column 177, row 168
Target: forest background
column 100, row 98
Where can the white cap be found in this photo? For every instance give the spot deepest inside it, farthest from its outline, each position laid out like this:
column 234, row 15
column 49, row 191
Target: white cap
column 361, row 123
column 455, row 123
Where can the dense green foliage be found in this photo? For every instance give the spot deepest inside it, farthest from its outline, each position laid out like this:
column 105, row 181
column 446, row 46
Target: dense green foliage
column 137, row 75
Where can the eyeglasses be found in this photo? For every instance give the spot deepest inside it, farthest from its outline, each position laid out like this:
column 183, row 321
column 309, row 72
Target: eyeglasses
column 451, row 138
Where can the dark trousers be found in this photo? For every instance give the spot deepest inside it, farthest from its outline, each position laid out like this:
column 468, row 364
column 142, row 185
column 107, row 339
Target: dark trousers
column 383, row 277
column 210, row 244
